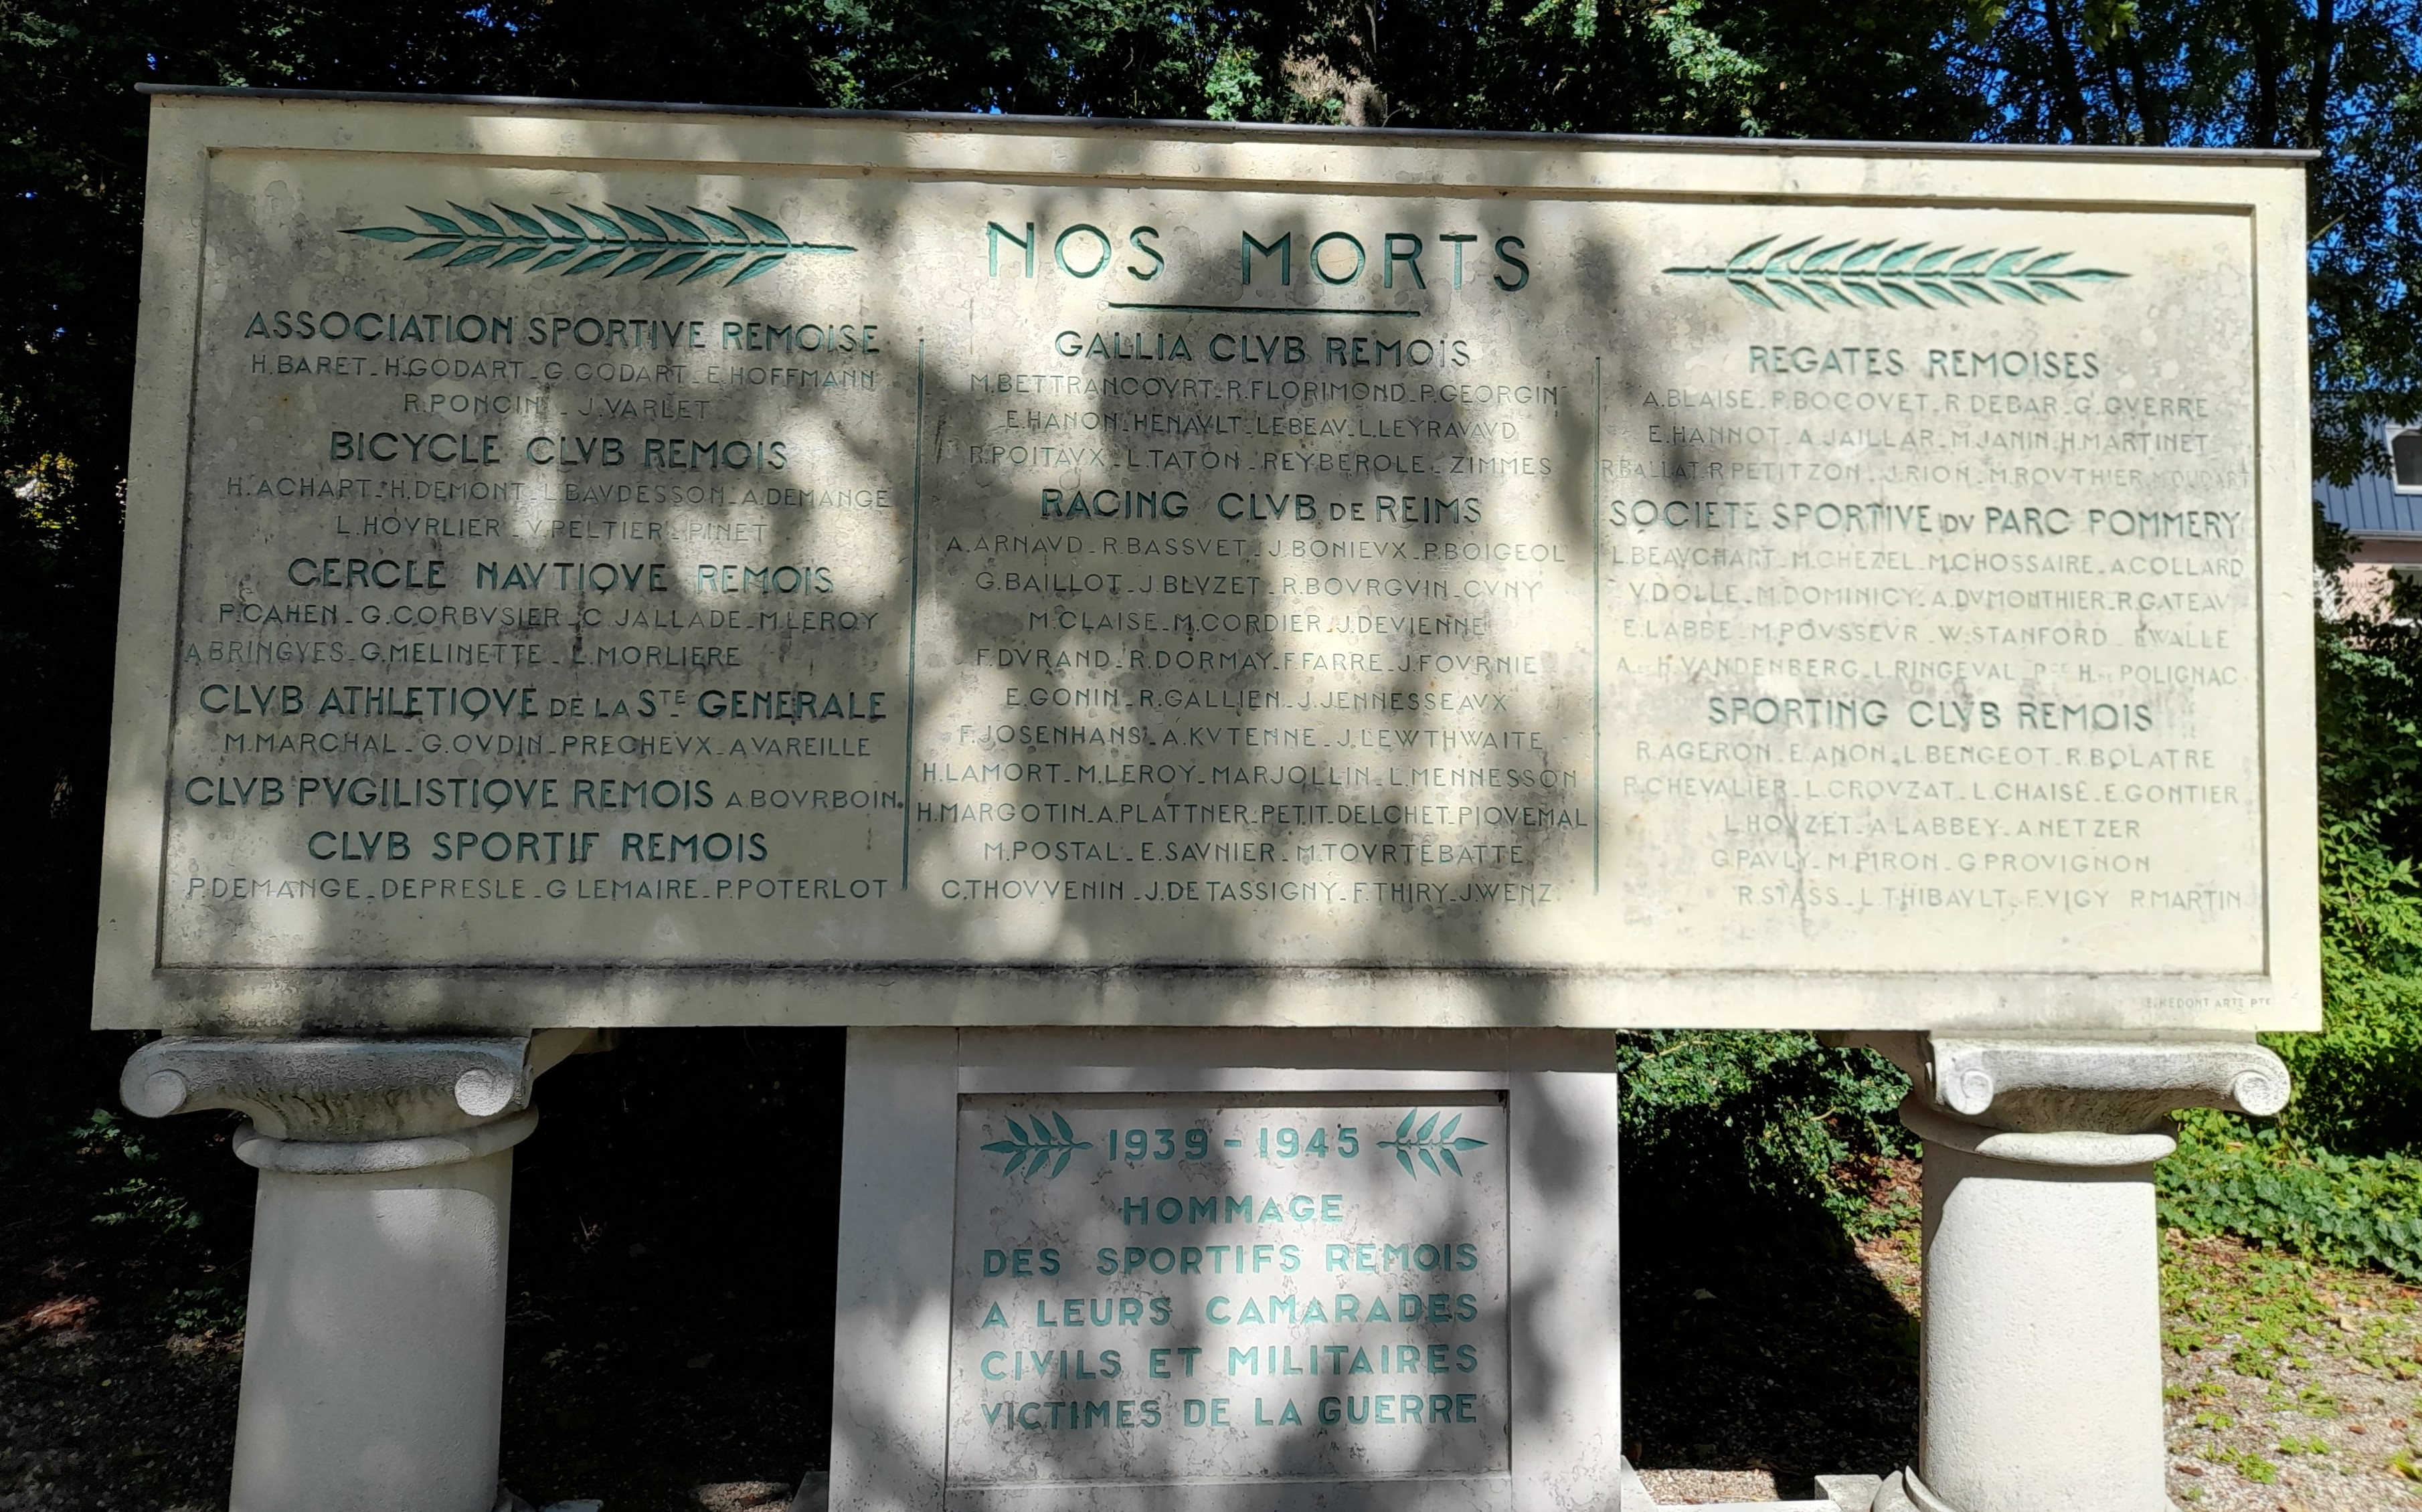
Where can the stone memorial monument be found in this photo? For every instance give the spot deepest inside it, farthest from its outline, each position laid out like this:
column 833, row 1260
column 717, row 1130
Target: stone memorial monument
column 1232, row 657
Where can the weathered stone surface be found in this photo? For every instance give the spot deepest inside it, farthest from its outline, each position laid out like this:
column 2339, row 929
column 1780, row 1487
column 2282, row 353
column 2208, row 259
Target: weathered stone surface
column 1178, row 1289
column 1084, row 1271
column 2039, row 1366
column 374, row 1322
column 333, row 1090
column 2121, row 1088
column 591, row 568
column 2051, row 1082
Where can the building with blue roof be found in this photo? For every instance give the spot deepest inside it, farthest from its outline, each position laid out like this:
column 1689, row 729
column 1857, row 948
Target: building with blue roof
column 2382, row 509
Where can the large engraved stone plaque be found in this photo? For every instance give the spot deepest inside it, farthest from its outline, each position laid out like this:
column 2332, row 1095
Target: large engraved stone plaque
column 1186, row 1289
column 592, row 566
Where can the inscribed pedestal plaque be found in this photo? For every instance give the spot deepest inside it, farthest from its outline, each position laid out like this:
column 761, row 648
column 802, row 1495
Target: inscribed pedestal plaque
column 1177, row 1290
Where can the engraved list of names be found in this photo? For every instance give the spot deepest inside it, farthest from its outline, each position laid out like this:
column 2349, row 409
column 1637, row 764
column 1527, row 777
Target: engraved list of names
column 657, row 568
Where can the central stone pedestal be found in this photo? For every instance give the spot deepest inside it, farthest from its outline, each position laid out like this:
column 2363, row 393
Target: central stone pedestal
column 1267, row 1270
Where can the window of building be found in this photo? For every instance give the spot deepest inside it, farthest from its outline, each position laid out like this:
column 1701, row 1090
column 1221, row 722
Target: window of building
column 2405, row 458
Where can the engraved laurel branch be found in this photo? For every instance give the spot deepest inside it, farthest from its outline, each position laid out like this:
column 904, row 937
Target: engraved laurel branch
column 1896, row 275
column 1032, row 1152
column 1429, row 1143
column 659, row 242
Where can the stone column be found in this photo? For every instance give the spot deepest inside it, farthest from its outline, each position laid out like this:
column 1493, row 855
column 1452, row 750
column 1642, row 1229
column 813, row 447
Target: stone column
column 2040, row 1370
column 375, row 1334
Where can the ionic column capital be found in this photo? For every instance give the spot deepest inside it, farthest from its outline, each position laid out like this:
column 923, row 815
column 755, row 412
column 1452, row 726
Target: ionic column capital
column 2042, row 1084
column 425, row 1102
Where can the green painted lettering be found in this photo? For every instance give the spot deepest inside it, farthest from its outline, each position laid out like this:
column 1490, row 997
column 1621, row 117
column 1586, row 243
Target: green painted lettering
column 995, row 234
column 1283, row 249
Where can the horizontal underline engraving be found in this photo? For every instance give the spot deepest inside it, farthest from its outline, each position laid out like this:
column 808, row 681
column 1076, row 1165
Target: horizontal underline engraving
column 1254, row 309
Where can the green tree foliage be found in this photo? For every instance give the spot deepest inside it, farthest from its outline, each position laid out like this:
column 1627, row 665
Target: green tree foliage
column 1720, row 68
column 2360, row 1084
column 2342, row 78
column 1724, row 1121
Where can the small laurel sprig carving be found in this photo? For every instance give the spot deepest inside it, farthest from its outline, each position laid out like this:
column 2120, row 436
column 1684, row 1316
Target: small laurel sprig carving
column 1892, row 274
column 1430, row 1144
column 660, row 244
column 1034, row 1151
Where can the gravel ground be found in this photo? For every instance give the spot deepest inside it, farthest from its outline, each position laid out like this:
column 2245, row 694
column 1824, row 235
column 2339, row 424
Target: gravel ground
column 95, row 1419
column 2293, row 1387
column 106, row 1405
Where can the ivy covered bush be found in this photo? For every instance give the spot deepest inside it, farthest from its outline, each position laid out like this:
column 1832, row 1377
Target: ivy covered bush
column 2338, row 1176
column 1718, row 1122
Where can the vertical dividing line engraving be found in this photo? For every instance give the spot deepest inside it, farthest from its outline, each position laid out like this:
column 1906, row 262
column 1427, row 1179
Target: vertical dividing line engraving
column 916, row 534
column 1597, row 629
column 2262, row 724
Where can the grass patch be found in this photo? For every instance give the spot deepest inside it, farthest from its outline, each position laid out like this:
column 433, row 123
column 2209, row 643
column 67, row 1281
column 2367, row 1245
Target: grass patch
column 2261, row 1311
